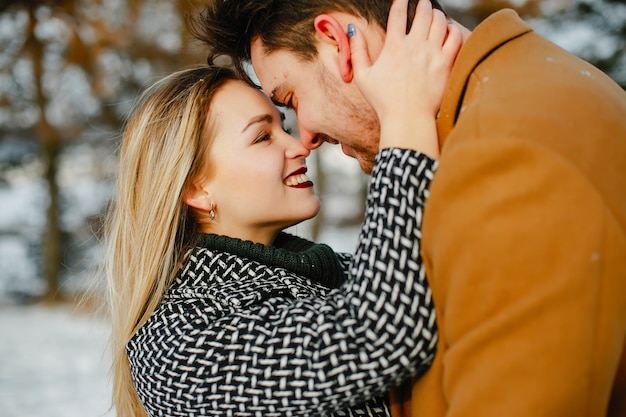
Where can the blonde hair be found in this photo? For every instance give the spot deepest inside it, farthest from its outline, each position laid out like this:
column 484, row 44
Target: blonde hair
column 149, row 229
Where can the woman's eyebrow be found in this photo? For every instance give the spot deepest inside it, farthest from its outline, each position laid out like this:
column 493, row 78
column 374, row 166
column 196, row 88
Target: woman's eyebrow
column 258, row 119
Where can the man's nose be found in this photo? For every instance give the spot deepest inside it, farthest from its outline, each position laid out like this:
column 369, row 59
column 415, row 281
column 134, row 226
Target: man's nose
column 309, row 139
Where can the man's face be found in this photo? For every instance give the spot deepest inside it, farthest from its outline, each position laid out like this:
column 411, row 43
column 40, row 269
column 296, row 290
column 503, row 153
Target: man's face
column 327, row 108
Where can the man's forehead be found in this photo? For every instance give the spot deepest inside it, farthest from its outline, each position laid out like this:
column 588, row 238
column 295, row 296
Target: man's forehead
column 271, row 84
column 259, row 58
column 271, row 76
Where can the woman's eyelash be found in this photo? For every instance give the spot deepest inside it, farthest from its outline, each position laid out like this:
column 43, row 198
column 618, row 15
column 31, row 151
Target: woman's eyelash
column 267, row 136
column 263, row 137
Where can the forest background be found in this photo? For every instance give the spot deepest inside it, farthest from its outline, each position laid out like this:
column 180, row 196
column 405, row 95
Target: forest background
column 70, row 71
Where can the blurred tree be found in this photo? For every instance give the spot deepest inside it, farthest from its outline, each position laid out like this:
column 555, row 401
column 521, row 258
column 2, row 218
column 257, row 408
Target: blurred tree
column 473, row 11
column 67, row 66
column 595, row 30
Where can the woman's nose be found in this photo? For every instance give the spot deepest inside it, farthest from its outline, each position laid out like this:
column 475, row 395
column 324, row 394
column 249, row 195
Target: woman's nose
column 296, row 149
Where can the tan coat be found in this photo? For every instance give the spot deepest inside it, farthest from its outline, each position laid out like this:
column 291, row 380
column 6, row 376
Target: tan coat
column 524, row 235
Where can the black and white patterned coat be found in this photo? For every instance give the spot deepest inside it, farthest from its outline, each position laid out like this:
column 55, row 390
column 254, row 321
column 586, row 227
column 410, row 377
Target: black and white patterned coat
column 235, row 337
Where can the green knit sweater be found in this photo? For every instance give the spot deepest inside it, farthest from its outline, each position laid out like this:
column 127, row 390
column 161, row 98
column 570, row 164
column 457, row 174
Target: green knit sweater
column 315, row 261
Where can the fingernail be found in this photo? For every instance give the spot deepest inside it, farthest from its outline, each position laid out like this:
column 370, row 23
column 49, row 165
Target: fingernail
column 351, row 30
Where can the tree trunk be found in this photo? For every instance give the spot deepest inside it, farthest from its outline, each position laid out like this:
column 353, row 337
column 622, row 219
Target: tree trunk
column 51, row 242
column 50, row 140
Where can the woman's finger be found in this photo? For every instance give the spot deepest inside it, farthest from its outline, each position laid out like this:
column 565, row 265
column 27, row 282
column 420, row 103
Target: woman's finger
column 452, row 44
column 359, row 53
column 422, row 19
column 438, row 28
column 396, row 22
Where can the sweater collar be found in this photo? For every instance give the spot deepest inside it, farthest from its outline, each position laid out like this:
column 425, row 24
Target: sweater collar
column 315, row 261
column 493, row 32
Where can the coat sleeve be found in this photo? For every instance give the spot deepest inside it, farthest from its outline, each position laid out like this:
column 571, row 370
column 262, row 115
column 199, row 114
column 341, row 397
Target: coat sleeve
column 313, row 356
column 515, row 246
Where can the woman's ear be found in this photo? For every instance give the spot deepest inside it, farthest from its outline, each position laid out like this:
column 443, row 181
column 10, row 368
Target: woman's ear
column 197, row 197
column 331, row 32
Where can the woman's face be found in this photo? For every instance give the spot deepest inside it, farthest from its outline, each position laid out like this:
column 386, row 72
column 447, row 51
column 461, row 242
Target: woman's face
column 256, row 171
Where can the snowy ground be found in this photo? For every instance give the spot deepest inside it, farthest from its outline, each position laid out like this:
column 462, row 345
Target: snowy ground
column 53, row 363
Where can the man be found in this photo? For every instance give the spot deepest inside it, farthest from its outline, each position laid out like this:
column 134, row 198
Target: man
column 524, row 234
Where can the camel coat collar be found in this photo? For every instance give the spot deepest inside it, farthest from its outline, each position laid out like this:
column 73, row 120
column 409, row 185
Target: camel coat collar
column 498, row 29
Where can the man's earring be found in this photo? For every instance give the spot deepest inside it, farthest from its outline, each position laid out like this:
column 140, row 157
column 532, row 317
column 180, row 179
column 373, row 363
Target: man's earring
column 212, row 212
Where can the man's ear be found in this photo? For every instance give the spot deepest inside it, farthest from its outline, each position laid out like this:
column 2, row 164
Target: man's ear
column 197, row 197
column 330, row 30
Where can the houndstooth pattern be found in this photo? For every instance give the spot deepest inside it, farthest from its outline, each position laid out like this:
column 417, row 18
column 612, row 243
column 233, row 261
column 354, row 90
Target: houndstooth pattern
column 234, row 337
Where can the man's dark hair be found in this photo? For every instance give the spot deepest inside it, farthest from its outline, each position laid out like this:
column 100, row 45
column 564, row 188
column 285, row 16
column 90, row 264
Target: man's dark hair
column 228, row 27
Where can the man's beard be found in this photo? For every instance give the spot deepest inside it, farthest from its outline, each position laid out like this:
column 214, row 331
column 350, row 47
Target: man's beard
column 361, row 129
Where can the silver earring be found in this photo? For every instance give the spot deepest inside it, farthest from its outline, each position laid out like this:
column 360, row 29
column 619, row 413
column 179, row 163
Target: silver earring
column 212, row 213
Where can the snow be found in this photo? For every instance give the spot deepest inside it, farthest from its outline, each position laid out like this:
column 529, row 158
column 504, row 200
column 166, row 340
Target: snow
column 53, row 363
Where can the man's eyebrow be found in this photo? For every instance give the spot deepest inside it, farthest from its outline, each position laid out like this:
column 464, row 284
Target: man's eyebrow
column 258, row 119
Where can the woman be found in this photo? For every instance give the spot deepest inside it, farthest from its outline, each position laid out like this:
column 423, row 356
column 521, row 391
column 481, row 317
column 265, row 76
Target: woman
column 215, row 310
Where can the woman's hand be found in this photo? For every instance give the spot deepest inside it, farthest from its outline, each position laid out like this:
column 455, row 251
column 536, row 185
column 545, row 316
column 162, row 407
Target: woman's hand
column 406, row 83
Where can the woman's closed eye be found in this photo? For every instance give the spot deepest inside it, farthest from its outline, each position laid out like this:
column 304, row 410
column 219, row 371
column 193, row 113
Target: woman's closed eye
column 263, row 137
